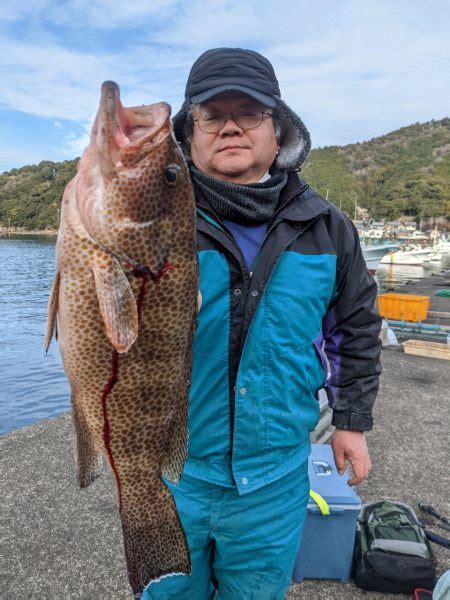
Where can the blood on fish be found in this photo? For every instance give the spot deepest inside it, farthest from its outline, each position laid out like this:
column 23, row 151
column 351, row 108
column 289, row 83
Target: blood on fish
column 166, row 267
column 106, row 429
column 115, row 371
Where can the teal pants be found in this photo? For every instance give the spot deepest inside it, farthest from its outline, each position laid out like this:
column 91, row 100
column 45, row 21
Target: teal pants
column 245, row 544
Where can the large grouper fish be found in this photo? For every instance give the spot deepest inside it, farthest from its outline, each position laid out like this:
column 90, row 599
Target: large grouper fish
column 123, row 306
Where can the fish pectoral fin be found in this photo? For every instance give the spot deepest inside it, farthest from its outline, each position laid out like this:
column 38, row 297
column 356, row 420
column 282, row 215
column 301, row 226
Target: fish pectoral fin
column 172, row 467
column 52, row 311
column 117, row 305
column 88, row 458
column 174, row 460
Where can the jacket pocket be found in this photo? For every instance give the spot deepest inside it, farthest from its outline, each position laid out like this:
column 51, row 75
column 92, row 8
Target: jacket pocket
column 292, row 410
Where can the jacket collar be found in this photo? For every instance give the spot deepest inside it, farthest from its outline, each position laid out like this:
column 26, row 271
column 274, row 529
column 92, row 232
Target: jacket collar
column 298, row 202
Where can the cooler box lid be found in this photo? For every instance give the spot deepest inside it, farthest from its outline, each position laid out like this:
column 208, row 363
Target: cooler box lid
column 326, row 481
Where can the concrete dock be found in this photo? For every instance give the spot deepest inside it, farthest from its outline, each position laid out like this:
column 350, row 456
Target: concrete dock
column 58, row 543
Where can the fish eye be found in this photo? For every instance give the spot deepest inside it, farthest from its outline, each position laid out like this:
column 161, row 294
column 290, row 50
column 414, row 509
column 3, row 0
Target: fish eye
column 172, row 175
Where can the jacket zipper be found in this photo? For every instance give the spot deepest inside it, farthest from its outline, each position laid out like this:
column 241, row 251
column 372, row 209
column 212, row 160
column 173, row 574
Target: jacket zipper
column 271, row 227
column 275, row 223
column 232, row 408
column 276, row 263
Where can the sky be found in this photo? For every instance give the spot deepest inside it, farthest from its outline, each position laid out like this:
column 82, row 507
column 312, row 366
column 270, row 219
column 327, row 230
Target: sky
column 352, row 69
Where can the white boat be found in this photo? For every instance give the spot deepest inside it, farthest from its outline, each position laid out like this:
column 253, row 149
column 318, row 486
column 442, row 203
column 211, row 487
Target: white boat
column 374, row 254
column 435, row 258
column 409, row 255
column 403, row 257
column 443, row 247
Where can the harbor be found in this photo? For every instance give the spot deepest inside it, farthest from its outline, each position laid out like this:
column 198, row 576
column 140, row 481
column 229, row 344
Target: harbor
column 431, row 294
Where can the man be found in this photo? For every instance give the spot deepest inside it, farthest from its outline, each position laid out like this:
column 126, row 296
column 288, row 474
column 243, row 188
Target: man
column 282, row 276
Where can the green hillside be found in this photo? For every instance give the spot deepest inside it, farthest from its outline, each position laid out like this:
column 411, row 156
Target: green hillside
column 30, row 197
column 404, row 172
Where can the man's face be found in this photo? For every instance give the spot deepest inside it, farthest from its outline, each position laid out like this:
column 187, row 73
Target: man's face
column 233, row 154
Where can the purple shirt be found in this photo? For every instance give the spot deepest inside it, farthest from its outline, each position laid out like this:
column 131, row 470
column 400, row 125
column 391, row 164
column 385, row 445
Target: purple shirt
column 248, row 238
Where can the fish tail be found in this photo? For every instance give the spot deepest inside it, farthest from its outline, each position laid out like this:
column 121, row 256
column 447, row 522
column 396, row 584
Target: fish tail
column 155, row 542
column 88, row 458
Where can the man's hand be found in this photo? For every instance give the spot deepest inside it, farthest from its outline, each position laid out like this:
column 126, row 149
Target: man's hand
column 351, row 445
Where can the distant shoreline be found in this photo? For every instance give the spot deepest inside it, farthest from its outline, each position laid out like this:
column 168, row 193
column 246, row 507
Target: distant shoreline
column 31, row 232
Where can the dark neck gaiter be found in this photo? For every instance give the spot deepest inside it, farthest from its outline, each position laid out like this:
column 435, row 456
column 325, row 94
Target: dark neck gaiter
column 242, row 203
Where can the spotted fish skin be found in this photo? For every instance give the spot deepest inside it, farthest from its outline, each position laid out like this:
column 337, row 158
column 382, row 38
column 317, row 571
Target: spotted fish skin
column 124, row 302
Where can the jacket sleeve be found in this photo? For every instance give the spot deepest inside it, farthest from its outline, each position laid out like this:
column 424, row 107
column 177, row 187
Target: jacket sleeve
column 351, row 330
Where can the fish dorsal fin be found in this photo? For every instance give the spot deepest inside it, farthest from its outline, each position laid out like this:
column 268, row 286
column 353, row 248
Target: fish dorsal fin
column 52, row 311
column 117, row 305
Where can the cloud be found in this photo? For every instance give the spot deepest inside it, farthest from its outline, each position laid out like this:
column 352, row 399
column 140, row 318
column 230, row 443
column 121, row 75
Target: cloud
column 351, row 70
column 52, row 81
column 366, row 77
column 75, row 143
column 95, row 14
column 14, row 10
column 104, row 14
column 19, row 156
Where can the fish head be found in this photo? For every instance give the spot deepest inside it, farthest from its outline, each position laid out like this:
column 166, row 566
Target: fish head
column 132, row 171
column 126, row 138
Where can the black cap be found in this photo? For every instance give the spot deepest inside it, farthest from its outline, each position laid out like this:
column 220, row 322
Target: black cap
column 225, row 69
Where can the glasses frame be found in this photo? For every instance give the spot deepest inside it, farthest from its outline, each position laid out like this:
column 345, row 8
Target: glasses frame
column 228, row 116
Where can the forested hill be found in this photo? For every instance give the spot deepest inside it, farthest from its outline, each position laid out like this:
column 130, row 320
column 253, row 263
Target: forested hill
column 30, row 197
column 404, row 172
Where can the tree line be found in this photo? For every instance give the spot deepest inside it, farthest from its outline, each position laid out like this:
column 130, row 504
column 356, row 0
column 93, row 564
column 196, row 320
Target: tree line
column 406, row 172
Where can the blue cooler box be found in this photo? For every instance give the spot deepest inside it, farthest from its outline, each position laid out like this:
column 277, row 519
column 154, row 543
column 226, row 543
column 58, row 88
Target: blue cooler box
column 326, row 547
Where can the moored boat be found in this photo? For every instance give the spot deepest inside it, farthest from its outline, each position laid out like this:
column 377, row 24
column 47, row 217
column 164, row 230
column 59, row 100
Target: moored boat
column 409, row 255
column 403, row 257
column 374, row 254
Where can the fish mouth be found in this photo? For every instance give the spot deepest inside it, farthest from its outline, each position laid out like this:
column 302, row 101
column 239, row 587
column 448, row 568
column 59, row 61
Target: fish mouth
column 120, row 131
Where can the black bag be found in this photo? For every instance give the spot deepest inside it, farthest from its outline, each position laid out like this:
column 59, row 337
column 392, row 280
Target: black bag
column 392, row 553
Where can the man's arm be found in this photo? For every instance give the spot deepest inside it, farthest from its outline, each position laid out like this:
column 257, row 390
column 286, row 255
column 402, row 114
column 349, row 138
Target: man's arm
column 351, row 332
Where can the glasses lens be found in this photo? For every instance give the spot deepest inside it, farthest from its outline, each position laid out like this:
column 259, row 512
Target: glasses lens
column 210, row 122
column 248, row 118
column 245, row 118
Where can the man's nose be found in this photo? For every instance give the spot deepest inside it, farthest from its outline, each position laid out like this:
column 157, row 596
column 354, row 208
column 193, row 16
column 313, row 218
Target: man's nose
column 230, row 127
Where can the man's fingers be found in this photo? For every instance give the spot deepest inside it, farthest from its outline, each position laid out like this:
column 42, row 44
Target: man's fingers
column 339, row 457
column 359, row 472
column 361, row 469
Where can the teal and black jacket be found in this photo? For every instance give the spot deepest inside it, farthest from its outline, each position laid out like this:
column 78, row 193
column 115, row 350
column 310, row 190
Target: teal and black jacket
column 265, row 341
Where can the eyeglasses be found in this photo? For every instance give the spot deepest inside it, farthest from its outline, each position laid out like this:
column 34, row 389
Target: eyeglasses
column 245, row 118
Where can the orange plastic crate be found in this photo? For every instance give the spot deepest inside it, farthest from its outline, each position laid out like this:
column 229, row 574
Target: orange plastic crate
column 403, row 307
